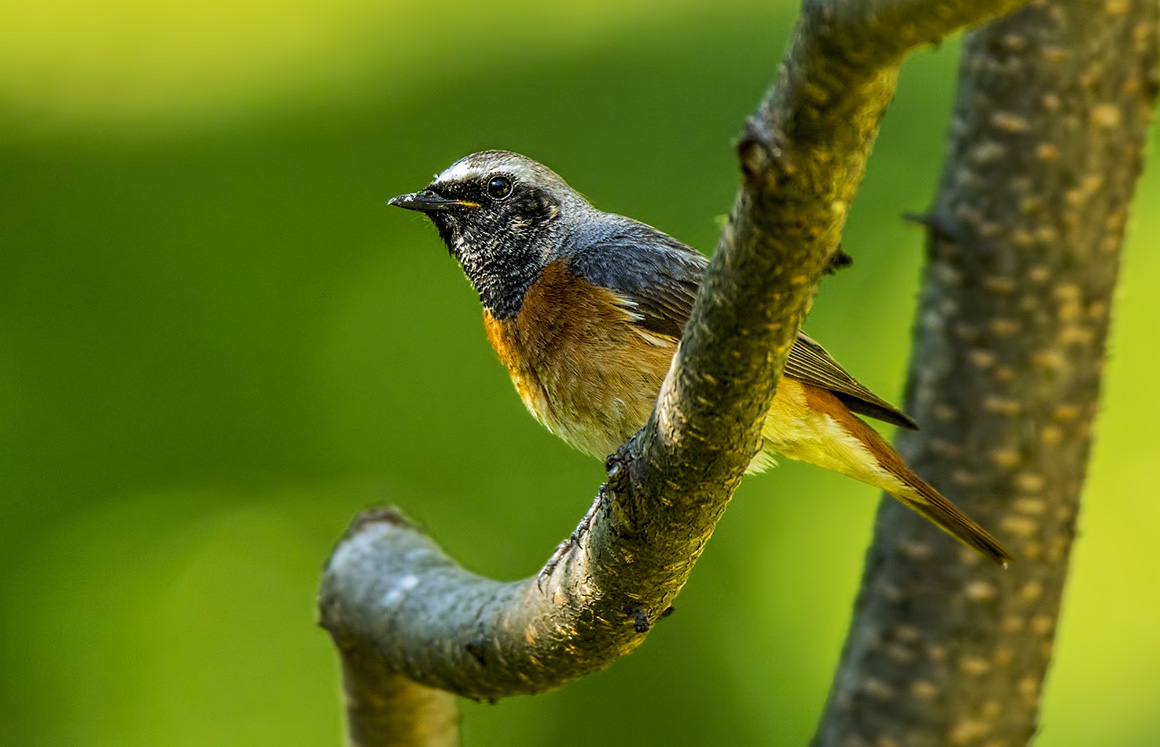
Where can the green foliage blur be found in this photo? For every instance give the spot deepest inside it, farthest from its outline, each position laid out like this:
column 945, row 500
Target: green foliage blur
column 217, row 344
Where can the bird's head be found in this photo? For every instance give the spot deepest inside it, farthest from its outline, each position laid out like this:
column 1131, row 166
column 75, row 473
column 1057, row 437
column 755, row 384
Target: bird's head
column 502, row 216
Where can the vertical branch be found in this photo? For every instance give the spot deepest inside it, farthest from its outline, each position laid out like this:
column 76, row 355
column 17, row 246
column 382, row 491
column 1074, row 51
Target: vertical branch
column 384, row 708
column 1024, row 239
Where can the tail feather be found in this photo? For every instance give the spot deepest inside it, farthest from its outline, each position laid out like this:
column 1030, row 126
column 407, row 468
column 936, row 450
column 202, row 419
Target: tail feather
column 811, row 424
column 927, row 502
column 917, row 494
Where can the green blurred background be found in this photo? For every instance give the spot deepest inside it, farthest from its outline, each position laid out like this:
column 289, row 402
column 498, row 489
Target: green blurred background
column 217, row 344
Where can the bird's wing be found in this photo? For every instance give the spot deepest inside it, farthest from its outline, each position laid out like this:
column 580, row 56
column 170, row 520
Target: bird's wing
column 657, row 278
column 809, row 362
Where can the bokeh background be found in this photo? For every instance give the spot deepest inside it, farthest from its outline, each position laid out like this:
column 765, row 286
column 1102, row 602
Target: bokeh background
column 217, row 344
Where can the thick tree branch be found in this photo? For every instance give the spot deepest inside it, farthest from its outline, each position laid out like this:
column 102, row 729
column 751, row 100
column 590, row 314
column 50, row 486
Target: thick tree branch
column 390, row 595
column 1024, row 239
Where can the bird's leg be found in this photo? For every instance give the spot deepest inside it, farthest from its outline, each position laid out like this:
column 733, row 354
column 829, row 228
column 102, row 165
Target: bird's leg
column 566, row 547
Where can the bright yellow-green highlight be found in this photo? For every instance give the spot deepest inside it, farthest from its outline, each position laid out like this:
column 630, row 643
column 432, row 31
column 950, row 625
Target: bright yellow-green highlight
column 132, row 62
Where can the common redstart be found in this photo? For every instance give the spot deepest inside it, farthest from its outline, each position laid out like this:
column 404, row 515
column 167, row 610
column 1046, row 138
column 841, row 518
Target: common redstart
column 585, row 309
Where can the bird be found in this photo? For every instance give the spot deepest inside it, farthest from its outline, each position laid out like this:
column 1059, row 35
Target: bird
column 585, row 310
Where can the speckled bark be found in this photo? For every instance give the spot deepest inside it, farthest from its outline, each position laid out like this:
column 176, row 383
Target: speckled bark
column 1024, row 240
column 395, row 603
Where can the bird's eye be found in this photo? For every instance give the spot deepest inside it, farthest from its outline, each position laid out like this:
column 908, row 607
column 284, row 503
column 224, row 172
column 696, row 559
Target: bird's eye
column 499, row 187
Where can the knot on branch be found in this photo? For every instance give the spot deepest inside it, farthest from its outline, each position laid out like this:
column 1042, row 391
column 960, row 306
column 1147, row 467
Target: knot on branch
column 839, row 260
column 477, row 648
column 641, row 621
column 938, row 224
column 757, row 151
column 616, row 466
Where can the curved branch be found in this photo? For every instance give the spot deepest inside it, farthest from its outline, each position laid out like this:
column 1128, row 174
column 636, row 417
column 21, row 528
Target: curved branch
column 389, row 593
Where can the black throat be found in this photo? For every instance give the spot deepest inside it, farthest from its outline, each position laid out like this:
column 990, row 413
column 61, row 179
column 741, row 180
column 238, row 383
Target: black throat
column 503, row 253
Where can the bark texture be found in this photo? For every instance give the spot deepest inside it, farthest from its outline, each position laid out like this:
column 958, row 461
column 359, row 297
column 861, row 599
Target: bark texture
column 1024, row 239
column 394, row 603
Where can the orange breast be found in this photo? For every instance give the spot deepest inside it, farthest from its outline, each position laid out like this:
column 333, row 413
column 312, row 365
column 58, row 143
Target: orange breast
column 579, row 363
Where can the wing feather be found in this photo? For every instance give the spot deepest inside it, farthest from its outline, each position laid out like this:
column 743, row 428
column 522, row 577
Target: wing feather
column 658, row 285
column 809, row 362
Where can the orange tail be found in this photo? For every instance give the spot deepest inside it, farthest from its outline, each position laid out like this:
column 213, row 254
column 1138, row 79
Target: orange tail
column 917, row 494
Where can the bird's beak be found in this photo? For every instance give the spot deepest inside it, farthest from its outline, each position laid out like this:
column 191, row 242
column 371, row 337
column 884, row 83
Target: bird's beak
column 428, row 201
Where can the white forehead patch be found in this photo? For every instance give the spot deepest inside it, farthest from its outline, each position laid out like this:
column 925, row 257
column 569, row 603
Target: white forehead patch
column 460, row 171
column 482, row 164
